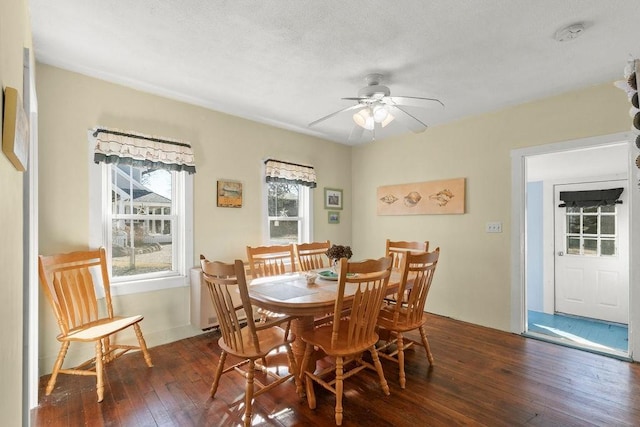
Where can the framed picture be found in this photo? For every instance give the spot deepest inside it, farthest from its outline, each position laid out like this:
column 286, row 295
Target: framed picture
column 229, row 194
column 422, row 198
column 15, row 132
column 332, row 198
column 334, row 217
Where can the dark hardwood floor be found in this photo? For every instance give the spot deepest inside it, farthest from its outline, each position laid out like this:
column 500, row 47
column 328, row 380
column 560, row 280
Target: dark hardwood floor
column 481, row 377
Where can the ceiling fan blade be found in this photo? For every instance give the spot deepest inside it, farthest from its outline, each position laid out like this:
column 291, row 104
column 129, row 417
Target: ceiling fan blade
column 411, row 101
column 353, row 107
column 356, row 133
column 413, row 123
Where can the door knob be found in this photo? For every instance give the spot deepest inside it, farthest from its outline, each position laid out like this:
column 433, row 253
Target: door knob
column 560, row 253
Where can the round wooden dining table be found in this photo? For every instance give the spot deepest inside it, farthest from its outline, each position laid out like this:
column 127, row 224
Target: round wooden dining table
column 291, row 295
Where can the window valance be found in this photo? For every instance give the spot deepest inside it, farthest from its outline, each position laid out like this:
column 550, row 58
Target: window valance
column 278, row 171
column 120, row 147
column 590, row 198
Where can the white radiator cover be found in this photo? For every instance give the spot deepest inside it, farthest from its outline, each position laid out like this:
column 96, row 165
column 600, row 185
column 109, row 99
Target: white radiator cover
column 203, row 316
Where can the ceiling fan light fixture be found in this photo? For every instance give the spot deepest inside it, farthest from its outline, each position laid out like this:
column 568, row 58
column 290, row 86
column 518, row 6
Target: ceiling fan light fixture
column 364, row 118
column 368, row 117
column 387, row 120
column 380, row 113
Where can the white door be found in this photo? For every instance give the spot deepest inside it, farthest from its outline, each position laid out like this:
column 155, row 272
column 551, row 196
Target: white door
column 592, row 256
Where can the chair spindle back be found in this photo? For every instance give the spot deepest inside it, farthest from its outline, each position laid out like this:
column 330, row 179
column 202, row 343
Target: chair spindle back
column 398, row 249
column 68, row 284
column 369, row 279
column 417, row 270
column 223, row 281
column 311, row 256
column 270, row 260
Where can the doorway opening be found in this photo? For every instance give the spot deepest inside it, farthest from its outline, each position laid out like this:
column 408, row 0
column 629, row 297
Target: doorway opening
column 573, row 275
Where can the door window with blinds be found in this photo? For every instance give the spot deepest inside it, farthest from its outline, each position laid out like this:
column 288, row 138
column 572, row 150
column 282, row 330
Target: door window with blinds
column 591, row 231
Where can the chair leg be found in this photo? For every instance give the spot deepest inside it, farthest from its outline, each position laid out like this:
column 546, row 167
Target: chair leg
column 293, row 370
column 56, row 367
column 218, row 374
column 308, row 349
column 425, row 344
column 400, row 345
column 106, row 347
column 248, row 393
column 339, row 388
column 143, row 345
column 378, row 365
column 99, row 371
column 311, row 394
column 304, row 378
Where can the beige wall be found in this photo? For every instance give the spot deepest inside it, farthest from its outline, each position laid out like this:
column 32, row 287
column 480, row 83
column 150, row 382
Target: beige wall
column 226, row 147
column 14, row 36
column 473, row 278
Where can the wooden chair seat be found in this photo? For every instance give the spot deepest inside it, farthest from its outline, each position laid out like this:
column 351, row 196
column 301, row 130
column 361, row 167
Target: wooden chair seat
column 68, row 284
column 100, row 328
column 403, row 322
column 269, row 339
column 321, row 338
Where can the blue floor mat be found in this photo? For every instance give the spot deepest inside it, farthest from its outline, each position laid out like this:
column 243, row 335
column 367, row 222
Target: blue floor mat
column 582, row 331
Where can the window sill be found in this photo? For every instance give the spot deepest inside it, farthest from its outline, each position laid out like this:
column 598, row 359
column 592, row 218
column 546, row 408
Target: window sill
column 148, row 285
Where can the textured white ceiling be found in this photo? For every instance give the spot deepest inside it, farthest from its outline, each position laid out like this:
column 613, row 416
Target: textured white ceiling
column 288, row 63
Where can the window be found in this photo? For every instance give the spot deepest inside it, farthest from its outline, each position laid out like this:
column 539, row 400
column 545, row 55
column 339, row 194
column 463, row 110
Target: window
column 288, row 202
column 591, row 230
column 142, row 214
column 287, row 213
column 142, row 221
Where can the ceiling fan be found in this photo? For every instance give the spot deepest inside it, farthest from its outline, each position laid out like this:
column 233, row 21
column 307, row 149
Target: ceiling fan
column 376, row 108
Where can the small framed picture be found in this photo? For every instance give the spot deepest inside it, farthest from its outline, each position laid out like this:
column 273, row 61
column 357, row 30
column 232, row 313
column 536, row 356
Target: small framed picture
column 332, row 198
column 15, row 130
column 334, row 217
column 229, row 194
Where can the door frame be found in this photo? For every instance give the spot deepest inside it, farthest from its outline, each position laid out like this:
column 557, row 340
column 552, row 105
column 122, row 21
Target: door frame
column 518, row 225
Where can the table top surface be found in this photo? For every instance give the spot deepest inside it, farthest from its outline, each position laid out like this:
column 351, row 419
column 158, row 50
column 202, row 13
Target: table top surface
column 290, row 294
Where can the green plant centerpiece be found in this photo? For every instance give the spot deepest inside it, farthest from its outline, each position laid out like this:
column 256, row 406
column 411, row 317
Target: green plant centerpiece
column 337, row 252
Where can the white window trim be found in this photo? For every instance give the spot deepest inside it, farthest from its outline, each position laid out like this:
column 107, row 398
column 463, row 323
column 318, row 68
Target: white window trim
column 99, row 205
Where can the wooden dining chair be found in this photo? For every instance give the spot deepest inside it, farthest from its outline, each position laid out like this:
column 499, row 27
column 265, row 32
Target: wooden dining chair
column 311, row 256
column 271, row 260
column 252, row 343
column 417, row 272
column 68, row 284
column 348, row 337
